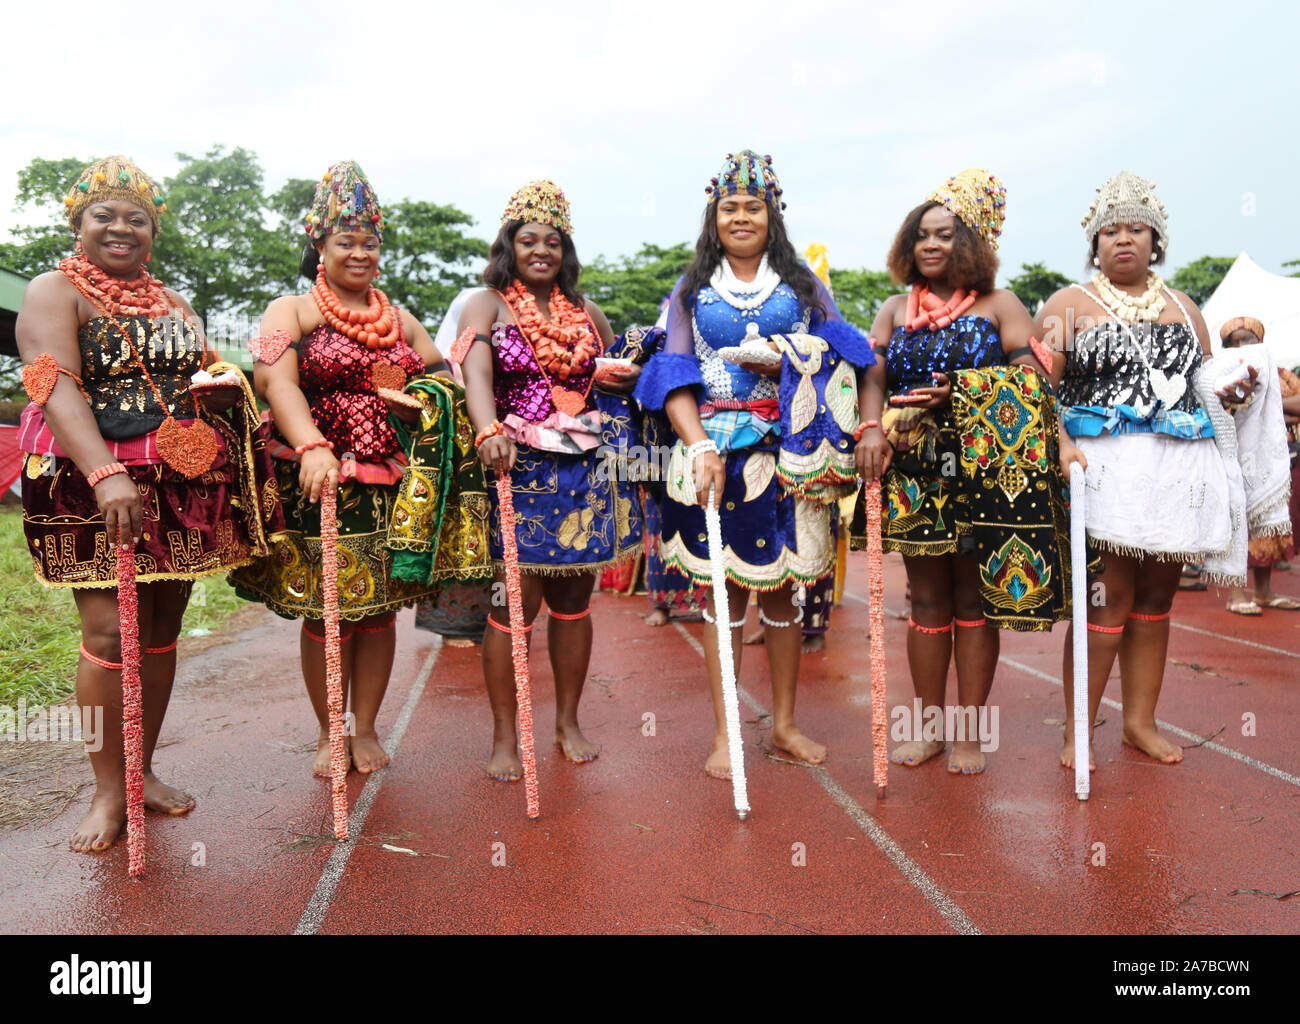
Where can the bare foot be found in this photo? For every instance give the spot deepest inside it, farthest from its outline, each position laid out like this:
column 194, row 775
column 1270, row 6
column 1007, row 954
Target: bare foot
column 459, row 641
column 966, row 758
column 916, row 752
column 799, row 746
column 1152, row 744
column 504, row 765
column 719, row 761
column 813, row 644
column 102, row 824
column 576, row 746
column 658, row 617
column 1067, row 753
column 322, row 767
column 367, row 754
column 165, row 799
column 755, row 637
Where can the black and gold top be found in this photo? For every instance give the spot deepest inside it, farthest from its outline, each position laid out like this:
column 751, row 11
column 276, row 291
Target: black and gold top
column 120, row 396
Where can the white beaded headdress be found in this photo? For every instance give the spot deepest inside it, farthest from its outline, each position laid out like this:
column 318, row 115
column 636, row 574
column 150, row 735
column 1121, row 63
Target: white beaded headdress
column 1127, row 198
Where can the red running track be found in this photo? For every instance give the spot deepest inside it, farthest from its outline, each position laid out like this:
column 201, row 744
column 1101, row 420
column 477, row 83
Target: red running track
column 642, row 841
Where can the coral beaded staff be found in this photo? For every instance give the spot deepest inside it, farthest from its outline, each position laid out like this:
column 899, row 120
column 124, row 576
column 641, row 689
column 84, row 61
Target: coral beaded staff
column 128, row 605
column 329, row 538
column 876, row 605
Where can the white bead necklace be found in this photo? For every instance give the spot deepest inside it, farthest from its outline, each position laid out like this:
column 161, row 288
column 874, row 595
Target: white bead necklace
column 1148, row 306
column 746, row 295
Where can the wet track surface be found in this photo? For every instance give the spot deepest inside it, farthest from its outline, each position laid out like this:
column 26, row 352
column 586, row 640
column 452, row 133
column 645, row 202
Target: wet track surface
column 642, row 841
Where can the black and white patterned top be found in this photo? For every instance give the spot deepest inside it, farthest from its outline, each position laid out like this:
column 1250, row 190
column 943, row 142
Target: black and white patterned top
column 1102, row 371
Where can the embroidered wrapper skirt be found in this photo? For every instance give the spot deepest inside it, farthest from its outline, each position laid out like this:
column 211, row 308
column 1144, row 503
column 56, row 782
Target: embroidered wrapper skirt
column 982, row 477
column 572, row 513
column 769, row 538
column 189, row 530
column 288, row 581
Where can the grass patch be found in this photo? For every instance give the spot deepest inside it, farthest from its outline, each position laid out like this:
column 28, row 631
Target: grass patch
column 39, row 629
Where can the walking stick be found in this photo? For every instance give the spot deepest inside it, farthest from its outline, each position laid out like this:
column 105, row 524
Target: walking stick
column 329, row 544
column 722, row 627
column 1079, row 586
column 128, row 611
column 876, row 595
column 518, row 642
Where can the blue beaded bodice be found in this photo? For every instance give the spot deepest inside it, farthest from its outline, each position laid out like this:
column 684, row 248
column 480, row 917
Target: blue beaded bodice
column 967, row 343
column 718, row 324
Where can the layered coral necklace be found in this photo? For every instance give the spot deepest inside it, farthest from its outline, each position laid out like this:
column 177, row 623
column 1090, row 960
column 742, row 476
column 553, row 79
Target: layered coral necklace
column 143, row 296
column 376, row 326
column 190, row 450
column 563, row 346
column 927, row 311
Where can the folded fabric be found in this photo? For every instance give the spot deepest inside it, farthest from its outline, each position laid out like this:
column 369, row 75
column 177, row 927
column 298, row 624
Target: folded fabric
column 559, row 432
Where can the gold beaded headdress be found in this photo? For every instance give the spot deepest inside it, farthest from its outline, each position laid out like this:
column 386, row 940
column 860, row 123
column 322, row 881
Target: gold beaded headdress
column 746, row 172
column 540, row 202
column 1127, row 199
column 344, row 201
column 978, row 199
column 1238, row 323
column 114, row 177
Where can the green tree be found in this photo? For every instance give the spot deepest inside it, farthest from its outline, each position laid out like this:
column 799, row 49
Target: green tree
column 427, row 257
column 629, row 290
column 39, row 247
column 1293, row 263
column 1035, row 284
column 859, row 294
column 1201, row 277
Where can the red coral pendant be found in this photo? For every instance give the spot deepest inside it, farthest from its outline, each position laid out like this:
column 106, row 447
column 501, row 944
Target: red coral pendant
column 190, row 450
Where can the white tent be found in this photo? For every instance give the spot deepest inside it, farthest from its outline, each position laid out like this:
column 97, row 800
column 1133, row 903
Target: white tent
column 1250, row 290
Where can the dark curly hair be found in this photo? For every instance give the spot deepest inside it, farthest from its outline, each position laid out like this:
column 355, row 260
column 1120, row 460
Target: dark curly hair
column 501, row 268
column 974, row 264
column 781, row 257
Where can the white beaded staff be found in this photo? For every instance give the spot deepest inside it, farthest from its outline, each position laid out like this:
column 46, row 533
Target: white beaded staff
column 722, row 627
column 1079, row 590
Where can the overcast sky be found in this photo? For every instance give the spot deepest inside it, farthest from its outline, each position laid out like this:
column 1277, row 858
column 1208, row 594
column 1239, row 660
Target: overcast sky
column 630, row 107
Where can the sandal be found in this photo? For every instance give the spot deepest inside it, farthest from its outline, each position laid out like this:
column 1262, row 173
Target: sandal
column 1244, row 608
column 1195, row 585
column 1286, row 604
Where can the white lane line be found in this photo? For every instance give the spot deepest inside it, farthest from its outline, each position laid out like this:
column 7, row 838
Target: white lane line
column 318, row 906
column 1236, row 640
column 869, row 827
column 1218, row 748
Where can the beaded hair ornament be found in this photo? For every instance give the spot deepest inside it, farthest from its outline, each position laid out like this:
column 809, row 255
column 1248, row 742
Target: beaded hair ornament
column 1127, row 199
column 1240, row 323
column 978, row 199
column 746, row 172
column 344, row 201
column 114, row 177
column 540, row 202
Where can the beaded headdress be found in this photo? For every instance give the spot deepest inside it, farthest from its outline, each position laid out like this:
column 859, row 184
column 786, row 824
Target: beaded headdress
column 114, row 177
column 344, row 201
column 747, row 172
column 978, row 199
column 1238, row 323
column 540, row 202
column 1127, row 199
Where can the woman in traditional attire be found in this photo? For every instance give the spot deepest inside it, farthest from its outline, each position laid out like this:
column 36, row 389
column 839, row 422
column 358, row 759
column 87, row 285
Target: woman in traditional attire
column 1157, row 491
column 122, row 455
column 767, row 430
column 965, row 454
column 331, row 364
column 1266, row 550
column 528, row 347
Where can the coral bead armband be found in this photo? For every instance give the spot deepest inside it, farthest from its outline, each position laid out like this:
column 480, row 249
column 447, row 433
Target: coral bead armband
column 269, row 348
column 41, row 375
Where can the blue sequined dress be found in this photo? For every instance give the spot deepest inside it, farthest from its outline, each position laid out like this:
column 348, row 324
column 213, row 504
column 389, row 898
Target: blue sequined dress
column 771, row 535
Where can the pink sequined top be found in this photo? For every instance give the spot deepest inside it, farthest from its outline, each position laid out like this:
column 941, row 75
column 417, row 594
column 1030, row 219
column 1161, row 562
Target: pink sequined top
column 518, row 383
column 334, row 373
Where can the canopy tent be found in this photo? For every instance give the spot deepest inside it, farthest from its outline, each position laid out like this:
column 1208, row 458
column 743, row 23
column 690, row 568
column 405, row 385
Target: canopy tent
column 1249, row 290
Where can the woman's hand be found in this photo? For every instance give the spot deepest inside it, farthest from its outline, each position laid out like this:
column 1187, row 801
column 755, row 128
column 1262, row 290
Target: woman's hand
column 708, row 473
column 319, row 469
column 763, row 369
column 498, row 453
column 1229, row 397
column 219, row 399
column 873, row 454
column 619, row 379
column 408, row 414
column 119, row 499
column 1070, row 453
column 934, row 397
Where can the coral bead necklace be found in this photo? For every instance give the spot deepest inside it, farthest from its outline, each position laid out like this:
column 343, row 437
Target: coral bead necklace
column 564, row 345
column 143, row 296
column 928, row 311
column 376, row 326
